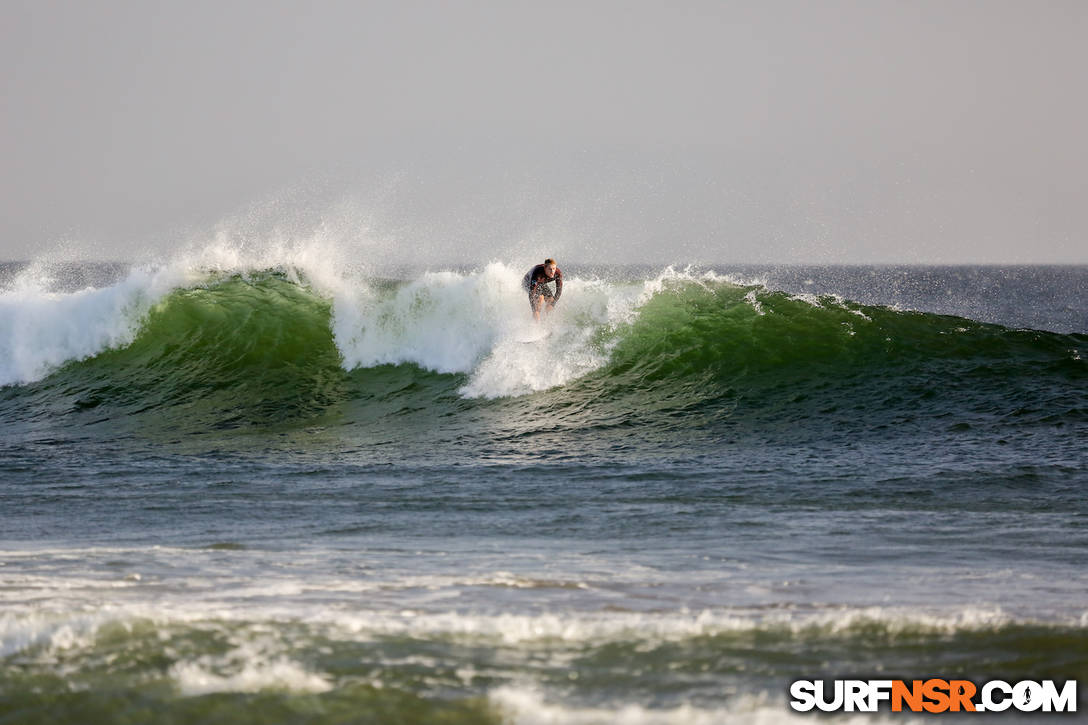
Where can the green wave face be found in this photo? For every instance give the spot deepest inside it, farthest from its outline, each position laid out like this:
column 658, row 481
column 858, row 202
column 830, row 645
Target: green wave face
column 234, row 352
column 755, row 360
column 730, row 333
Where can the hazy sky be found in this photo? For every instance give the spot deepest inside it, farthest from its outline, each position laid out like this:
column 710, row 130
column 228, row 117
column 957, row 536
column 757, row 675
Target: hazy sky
column 837, row 131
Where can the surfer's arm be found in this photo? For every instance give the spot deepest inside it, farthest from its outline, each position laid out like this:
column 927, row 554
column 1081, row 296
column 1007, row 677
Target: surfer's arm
column 558, row 285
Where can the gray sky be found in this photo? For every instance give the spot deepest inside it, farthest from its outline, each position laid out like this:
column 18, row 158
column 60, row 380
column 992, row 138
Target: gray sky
column 838, row 131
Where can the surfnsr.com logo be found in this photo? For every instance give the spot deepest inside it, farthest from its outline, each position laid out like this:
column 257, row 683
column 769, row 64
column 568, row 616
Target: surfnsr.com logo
column 933, row 695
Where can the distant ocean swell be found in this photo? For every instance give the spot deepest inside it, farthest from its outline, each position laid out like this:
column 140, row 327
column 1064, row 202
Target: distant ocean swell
column 683, row 349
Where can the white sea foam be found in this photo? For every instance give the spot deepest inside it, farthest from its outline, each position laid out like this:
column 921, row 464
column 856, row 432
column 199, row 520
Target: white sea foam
column 754, row 303
column 268, row 643
column 50, row 628
column 41, row 329
column 265, row 646
column 520, row 629
column 51, row 631
column 245, row 670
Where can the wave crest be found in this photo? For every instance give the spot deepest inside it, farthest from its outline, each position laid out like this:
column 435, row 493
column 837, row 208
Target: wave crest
column 681, row 348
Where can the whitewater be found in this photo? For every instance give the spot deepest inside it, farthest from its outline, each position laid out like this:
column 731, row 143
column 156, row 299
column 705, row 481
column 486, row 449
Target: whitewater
column 276, row 483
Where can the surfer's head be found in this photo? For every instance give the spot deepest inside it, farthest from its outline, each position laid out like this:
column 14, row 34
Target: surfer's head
column 549, row 267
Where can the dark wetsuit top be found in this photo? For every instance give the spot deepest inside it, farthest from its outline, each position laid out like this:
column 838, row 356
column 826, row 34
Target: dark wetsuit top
column 536, row 282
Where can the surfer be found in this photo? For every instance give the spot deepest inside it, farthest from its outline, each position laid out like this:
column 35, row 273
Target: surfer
column 537, row 283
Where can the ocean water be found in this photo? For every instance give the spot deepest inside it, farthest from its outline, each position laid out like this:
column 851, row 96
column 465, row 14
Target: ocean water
column 280, row 490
